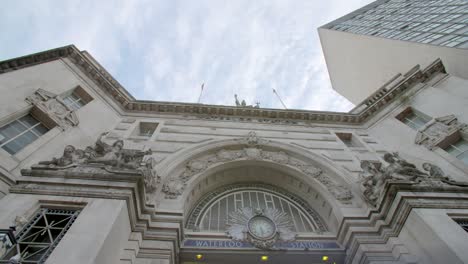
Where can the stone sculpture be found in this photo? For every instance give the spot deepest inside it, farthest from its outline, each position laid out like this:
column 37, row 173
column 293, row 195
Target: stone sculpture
column 375, row 176
column 401, row 169
column 244, row 104
column 111, row 158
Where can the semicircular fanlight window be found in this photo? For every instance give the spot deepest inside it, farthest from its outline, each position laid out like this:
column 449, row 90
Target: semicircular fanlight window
column 212, row 213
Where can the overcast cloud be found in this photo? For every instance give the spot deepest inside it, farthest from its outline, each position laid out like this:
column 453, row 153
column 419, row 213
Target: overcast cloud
column 164, row 50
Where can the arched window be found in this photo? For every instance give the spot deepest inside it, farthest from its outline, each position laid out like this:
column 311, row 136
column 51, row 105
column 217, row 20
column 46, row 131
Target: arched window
column 212, row 212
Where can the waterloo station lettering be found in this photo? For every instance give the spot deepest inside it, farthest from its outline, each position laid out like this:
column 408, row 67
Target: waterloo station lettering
column 239, row 244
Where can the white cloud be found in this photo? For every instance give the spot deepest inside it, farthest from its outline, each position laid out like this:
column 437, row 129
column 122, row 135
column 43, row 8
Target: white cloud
column 164, row 50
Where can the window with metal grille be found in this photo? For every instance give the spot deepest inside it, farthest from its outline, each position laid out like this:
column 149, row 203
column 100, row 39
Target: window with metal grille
column 38, row 238
column 463, row 223
column 17, row 134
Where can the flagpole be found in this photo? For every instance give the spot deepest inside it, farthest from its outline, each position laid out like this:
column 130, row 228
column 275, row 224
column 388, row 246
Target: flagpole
column 201, row 91
column 274, row 91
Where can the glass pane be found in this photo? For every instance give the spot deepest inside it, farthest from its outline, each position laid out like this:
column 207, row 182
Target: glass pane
column 230, row 204
column 297, row 220
column 223, row 215
column 20, row 142
column 12, row 147
column 80, row 102
column 452, row 151
column 214, row 217
column 40, row 129
column 11, row 130
column 29, row 120
column 74, row 106
column 68, row 101
column 250, row 200
column 26, row 138
column 462, row 144
column 463, row 157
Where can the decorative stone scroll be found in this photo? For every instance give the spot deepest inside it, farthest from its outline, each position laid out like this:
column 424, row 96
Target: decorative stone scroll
column 261, row 227
column 175, row 186
column 52, row 111
column 375, row 176
column 438, row 130
column 108, row 158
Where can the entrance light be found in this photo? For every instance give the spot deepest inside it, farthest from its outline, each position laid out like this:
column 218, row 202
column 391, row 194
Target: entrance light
column 199, row 256
column 324, row 258
column 264, row 258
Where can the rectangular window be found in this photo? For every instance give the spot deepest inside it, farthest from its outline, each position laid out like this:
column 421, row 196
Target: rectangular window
column 40, row 236
column 73, row 102
column 77, row 98
column 349, row 140
column 17, row 134
column 145, row 129
column 413, row 119
column 459, row 149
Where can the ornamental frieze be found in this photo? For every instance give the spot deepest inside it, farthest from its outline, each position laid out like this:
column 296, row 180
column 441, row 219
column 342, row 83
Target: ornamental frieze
column 52, row 111
column 438, row 130
column 252, row 150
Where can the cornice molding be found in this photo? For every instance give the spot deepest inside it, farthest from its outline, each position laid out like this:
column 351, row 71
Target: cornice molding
column 385, row 222
column 117, row 92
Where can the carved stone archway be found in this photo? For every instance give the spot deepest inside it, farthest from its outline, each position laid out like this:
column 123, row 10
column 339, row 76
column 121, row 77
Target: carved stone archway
column 184, row 169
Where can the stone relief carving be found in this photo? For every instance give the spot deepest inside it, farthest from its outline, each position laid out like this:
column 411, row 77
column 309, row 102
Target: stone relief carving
column 375, row 175
column 112, row 158
column 252, row 140
column 54, row 108
column 174, row 186
column 438, row 129
column 261, row 227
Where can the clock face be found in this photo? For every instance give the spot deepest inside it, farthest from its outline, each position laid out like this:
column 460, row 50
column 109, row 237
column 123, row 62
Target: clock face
column 262, row 227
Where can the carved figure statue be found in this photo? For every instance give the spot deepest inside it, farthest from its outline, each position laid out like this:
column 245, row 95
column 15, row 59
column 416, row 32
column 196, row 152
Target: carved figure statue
column 111, row 158
column 401, row 169
column 102, row 153
column 244, row 104
column 398, row 169
column 372, row 181
column 107, row 154
column 434, row 171
column 70, row 155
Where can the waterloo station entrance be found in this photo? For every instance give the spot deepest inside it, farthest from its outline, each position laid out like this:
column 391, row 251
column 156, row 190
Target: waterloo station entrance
column 250, row 221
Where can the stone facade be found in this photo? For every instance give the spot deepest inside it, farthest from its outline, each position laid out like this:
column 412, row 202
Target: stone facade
column 143, row 175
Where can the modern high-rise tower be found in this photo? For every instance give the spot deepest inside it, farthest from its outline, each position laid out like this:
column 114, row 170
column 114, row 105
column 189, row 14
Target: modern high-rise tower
column 365, row 48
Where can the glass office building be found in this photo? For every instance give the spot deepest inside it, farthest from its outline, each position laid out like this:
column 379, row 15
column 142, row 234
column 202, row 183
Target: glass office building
column 436, row 22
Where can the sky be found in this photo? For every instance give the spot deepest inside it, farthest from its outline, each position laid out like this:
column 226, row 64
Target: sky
column 165, row 49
